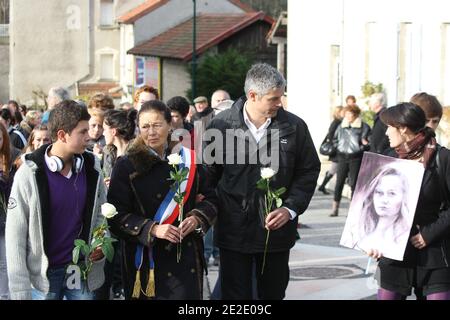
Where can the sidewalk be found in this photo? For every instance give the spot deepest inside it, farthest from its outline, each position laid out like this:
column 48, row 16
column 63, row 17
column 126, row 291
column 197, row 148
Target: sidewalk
column 320, row 269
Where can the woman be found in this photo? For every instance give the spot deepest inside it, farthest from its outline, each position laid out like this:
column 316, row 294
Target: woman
column 118, row 129
column 6, row 179
column 97, row 139
column 337, row 119
column 351, row 140
column 139, row 184
column 425, row 262
column 384, row 213
column 144, row 94
column 38, row 137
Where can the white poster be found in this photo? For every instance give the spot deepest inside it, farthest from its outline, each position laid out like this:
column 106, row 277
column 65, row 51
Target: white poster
column 382, row 209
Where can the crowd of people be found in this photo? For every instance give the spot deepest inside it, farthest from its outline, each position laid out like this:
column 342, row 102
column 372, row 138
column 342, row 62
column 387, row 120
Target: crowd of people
column 405, row 131
column 175, row 219
column 59, row 166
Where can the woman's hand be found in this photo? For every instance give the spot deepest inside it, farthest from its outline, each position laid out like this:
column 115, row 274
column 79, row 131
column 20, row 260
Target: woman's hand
column 167, row 232
column 188, row 225
column 107, row 181
column 374, row 253
column 417, row 241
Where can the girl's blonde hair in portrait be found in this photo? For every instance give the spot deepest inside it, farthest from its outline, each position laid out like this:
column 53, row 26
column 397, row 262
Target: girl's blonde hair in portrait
column 369, row 215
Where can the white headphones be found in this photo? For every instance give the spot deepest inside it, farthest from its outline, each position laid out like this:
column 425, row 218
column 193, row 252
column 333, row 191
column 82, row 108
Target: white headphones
column 56, row 164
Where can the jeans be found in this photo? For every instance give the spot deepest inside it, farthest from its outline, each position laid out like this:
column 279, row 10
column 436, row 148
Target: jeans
column 59, row 290
column 210, row 249
column 4, row 290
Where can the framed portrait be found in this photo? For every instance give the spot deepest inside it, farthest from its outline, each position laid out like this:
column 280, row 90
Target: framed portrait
column 382, row 209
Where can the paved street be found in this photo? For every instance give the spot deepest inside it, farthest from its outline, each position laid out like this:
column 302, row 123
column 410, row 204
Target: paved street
column 320, row 268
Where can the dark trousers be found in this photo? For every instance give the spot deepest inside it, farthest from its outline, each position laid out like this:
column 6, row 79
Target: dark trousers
column 347, row 166
column 113, row 275
column 238, row 272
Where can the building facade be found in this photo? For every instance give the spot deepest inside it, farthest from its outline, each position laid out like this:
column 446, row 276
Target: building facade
column 336, row 46
column 69, row 43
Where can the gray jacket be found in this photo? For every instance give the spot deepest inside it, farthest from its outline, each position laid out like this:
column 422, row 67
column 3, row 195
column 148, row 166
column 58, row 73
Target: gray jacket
column 26, row 219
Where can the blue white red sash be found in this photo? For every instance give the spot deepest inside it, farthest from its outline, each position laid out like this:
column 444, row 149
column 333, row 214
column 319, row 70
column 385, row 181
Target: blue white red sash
column 167, row 212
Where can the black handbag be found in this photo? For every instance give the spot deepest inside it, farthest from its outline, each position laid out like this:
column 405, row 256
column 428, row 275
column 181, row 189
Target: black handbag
column 327, row 148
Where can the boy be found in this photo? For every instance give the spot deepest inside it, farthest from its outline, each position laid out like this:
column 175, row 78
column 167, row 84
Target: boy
column 55, row 199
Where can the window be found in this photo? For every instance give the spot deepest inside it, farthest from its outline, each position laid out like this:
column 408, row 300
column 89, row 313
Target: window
column 445, row 64
column 107, row 66
column 106, row 12
column 404, row 61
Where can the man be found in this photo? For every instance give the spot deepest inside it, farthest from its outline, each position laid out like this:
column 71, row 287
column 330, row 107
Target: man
column 55, row 96
column 218, row 96
column 55, row 199
column 242, row 226
column 204, row 112
column 379, row 142
column 211, row 251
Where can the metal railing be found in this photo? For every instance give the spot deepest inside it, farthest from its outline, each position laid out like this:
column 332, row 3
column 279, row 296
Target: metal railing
column 4, row 30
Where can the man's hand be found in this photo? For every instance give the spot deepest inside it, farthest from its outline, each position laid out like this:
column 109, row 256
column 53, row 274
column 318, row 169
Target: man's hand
column 96, row 255
column 167, row 232
column 277, row 218
column 418, row 241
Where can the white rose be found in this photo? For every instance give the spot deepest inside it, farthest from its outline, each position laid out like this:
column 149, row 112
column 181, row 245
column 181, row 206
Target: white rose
column 108, row 210
column 174, row 159
column 267, row 173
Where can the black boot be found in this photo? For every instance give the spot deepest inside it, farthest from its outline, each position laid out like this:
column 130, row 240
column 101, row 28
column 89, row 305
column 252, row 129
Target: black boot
column 324, row 183
column 335, row 210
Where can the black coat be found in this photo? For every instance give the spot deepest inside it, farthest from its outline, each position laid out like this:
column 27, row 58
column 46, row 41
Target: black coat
column 139, row 183
column 240, row 223
column 331, row 131
column 434, row 224
column 378, row 140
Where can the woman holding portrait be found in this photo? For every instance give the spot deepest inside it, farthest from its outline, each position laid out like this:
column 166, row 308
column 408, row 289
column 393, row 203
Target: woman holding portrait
column 427, row 255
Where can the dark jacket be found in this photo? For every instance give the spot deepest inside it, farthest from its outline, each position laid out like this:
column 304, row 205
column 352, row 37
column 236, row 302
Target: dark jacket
column 348, row 137
column 139, row 183
column 434, row 224
column 378, row 140
column 240, row 224
column 206, row 116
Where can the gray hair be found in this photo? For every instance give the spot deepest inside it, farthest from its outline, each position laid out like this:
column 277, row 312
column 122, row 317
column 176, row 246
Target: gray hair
column 261, row 78
column 60, row 93
column 378, row 99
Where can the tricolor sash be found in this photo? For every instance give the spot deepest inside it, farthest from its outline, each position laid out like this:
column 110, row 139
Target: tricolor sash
column 167, row 212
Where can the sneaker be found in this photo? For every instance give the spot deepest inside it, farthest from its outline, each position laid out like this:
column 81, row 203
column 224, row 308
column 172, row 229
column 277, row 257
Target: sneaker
column 216, row 261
